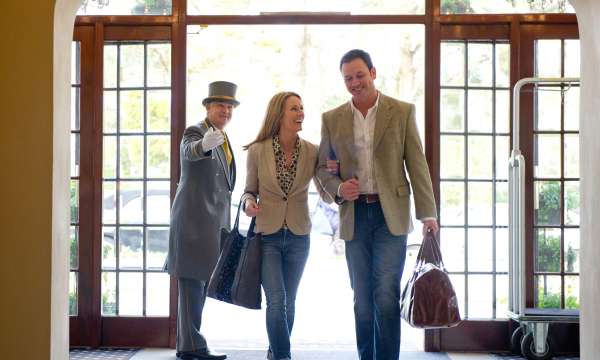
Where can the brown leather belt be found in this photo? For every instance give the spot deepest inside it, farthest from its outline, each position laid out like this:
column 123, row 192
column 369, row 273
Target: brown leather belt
column 368, row 198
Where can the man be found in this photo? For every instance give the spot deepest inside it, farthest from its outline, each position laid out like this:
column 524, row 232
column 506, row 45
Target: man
column 201, row 208
column 373, row 137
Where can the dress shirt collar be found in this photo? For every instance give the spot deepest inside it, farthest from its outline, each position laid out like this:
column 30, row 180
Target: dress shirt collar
column 372, row 108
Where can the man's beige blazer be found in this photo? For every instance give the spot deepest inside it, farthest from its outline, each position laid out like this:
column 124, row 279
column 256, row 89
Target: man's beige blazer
column 396, row 147
column 277, row 208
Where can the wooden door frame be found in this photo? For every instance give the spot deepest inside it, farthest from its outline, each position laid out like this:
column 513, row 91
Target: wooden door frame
column 483, row 335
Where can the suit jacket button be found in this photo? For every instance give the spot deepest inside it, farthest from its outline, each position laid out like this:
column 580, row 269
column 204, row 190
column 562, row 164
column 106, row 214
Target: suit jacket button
column 284, row 198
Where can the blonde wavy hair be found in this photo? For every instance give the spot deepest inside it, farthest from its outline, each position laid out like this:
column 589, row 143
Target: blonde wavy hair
column 272, row 121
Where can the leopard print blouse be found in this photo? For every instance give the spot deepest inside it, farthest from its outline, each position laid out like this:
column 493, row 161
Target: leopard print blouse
column 285, row 174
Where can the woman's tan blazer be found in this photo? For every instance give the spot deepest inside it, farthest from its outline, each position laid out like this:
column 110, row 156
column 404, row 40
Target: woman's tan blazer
column 276, row 207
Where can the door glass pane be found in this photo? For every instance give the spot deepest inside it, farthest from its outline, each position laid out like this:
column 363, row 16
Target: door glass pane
column 480, row 111
column 548, row 58
column 73, row 293
column 502, row 111
column 572, row 247
column 481, row 296
column 452, row 243
column 256, row 7
column 110, row 66
column 548, row 109
column 109, row 293
column 158, row 157
column 131, row 114
column 109, row 253
column 547, row 151
column 452, row 152
column 572, row 292
column 480, row 203
column 109, row 111
column 571, row 204
column 572, row 61
column 571, row 142
column 505, row 7
column 548, row 291
column 480, row 64
column 480, row 154
column 547, row 203
column 502, row 296
column 131, row 287
column 502, row 249
column 452, row 107
column 159, row 111
column 156, row 303
column 503, row 65
column 131, row 248
column 159, row 64
column 74, row 248
column 452, row 67
column 126, row 7
column 547, row 250
column 572, row 109
column 502, row 203
column 452, row 203
column 480, row 249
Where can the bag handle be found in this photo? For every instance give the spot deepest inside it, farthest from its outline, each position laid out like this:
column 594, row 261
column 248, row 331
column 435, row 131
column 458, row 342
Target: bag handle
column 237, row 219
column 430, row 251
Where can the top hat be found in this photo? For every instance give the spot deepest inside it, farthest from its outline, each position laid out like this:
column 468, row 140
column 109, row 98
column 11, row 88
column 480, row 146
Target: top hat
column 223, row 91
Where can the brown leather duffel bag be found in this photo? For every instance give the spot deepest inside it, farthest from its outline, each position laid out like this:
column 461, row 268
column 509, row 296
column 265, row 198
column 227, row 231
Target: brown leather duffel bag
column 429, row 300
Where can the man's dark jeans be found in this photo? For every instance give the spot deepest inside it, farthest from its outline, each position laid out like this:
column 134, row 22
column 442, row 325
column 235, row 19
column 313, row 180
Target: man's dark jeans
column 375, row 260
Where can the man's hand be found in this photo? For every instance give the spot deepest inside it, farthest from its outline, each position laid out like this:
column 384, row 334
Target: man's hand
column 251, row 208
column 430, row 224
column 349, row 190
column 212, row 139
column 333, row 167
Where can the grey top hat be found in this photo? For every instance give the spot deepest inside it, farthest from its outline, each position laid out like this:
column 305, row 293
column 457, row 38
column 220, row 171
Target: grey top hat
column 223, row 91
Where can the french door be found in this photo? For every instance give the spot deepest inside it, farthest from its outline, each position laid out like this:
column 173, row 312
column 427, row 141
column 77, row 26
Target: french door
column 121, row 186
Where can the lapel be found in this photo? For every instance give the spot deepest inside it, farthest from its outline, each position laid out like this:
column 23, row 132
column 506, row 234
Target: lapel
column 269, row 157
column 302, row 166
column 221, row 156
column 382, row 120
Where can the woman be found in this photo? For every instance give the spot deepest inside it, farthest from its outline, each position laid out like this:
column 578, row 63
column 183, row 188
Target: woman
column 280, row 166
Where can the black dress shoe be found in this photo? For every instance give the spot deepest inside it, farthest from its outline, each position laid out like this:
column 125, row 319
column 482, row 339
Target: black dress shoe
column 206, row 354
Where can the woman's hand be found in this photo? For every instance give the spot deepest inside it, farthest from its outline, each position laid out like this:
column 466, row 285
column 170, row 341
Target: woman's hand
column 251, row 208
column 333, row 166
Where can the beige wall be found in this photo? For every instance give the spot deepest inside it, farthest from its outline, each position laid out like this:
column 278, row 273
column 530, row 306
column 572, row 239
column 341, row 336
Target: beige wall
column 26, row 187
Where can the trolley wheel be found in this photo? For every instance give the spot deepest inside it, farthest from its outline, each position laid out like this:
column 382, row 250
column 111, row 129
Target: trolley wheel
column 528, row 348
column 515, row 341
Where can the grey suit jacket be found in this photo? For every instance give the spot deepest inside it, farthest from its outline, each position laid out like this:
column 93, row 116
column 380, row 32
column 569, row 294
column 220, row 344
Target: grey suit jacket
column 201, row 208
column 396, row 145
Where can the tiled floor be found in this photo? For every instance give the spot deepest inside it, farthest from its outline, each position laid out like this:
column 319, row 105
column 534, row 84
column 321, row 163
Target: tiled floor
column 167, row 354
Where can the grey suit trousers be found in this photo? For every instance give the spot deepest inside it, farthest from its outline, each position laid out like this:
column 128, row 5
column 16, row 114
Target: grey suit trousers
column 192, row 295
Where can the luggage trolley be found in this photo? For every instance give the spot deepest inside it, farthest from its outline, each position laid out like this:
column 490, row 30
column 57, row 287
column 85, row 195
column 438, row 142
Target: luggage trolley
column 531, row 338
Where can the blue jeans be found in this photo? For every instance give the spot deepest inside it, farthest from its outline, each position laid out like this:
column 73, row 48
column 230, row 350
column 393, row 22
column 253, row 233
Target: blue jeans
column 375, row 260
column 284, row 255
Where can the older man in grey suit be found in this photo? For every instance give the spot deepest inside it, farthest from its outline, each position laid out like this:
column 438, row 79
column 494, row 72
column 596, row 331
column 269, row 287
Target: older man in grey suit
column 374, row 138
column 201, row 208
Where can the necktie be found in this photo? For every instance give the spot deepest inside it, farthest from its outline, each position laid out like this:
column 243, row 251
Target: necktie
column 227, row 150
